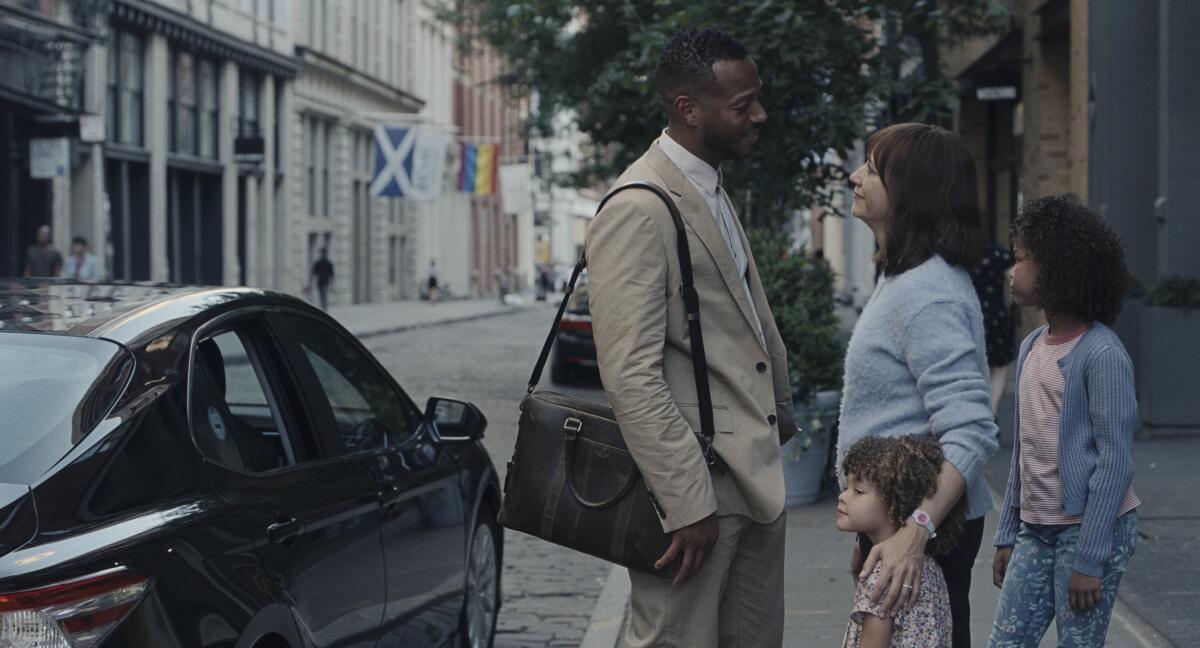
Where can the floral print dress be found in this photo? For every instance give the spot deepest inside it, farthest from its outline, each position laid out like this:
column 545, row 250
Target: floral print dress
column 925, row 624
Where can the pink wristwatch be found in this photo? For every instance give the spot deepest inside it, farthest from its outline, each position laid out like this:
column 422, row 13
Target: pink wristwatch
column 924, row 520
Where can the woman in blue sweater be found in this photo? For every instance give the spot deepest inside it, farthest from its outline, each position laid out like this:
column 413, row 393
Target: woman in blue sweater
column 1069, row 508
column 916, row 360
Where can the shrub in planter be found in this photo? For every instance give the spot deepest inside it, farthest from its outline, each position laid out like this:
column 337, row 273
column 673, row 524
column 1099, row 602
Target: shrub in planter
column 800, row 290
column 1170, row 398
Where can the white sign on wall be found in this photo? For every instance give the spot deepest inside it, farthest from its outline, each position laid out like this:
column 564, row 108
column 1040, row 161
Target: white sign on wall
column 516, row 188
column 49, row 157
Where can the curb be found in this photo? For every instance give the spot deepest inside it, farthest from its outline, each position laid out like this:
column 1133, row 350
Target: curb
column 400, row 328
column 608, row 617
column 1136, row 625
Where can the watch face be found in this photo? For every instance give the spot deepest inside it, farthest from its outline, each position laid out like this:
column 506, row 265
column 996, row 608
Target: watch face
column 921, row 517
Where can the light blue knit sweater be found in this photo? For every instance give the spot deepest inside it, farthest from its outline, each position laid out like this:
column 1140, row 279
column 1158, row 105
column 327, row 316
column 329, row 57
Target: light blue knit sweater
column 1095, row 444
column 916, row 365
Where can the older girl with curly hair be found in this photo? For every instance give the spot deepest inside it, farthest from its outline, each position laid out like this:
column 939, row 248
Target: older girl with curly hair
column 1068, row 525
column 887, row 479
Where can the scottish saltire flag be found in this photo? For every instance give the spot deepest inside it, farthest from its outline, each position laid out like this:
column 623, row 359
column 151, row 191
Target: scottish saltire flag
column 480, row 169
column 409, row 162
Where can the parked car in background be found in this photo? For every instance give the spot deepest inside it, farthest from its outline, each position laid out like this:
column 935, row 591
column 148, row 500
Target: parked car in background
column 189, row 467
column 574, row 346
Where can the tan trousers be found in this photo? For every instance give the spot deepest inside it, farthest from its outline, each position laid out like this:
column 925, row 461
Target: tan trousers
column 734, row 601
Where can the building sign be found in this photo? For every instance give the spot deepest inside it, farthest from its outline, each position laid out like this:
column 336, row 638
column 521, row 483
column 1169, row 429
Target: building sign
column 996, row 93
column 516, row 188
column 49, row 157
column 410, row 162
column 91, row 129
column 248, row 150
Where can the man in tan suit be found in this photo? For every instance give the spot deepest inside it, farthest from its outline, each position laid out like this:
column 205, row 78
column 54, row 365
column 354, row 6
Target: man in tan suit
column 727, row 528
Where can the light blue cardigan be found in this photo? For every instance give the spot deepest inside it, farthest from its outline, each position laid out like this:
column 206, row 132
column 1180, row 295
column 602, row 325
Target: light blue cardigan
column 1095, row 444
column 916, row 365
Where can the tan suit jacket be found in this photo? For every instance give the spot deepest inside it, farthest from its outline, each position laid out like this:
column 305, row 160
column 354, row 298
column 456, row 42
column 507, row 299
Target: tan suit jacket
column 645, row 359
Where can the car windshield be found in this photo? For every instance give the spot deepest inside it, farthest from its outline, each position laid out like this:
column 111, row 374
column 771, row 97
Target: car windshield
column 53, row 391
column 578, row 303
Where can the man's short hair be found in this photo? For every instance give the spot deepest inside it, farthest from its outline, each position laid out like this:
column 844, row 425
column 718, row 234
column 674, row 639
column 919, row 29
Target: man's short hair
column 686, row 64
column 79, row 240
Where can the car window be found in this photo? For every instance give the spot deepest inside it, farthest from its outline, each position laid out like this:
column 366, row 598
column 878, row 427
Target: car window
column 155, row 464
column 53, row 390
column 369, row 412
column 578, row 302
column 233, row 420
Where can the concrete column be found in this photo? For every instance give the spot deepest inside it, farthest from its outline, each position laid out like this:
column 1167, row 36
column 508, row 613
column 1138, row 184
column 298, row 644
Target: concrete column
column 265, row 252
column 290, row 273
column 91, row 217
column 1079, row 100
column 1179, row 139
column 228, row 89
column 155, row 111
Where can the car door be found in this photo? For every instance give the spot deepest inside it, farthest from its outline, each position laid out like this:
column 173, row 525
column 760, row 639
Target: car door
column 314, row 520
column 422, row 509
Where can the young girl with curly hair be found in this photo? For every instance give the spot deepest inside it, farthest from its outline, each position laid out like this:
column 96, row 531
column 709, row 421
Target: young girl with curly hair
column 887, row 478
column 1068, row 525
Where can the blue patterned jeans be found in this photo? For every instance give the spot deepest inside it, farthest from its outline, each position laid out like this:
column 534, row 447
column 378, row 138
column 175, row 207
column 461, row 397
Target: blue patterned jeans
column 1036, row 587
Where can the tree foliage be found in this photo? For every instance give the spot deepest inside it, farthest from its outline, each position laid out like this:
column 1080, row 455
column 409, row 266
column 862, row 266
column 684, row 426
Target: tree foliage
column 829, row 67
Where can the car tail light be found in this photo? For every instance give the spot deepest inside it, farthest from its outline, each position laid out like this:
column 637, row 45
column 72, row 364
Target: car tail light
column 72, row 614
column 576, row 323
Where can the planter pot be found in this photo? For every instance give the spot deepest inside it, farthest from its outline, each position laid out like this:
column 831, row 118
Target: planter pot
column 804, row 467
column 1168, row 391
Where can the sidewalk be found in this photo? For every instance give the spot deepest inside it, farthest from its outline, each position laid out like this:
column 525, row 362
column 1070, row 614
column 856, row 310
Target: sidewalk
column 1156, row 607
column 369, row 320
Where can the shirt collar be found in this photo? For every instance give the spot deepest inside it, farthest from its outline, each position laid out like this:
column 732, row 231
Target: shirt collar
column 698, row 171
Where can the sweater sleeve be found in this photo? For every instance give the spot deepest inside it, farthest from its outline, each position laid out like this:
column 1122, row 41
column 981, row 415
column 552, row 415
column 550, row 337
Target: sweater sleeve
column 942, row 356
column 1112, row 411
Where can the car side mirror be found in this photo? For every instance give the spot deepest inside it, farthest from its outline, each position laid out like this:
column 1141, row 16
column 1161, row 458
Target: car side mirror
column 452, row 420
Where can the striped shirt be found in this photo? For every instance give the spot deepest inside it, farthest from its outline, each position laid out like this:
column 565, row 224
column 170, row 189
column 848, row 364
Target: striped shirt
column 1041, row 399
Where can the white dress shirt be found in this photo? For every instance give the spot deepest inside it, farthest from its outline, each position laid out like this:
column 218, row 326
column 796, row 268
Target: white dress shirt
column 707, row 181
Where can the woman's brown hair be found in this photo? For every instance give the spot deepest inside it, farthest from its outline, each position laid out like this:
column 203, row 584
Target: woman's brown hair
column 929, row 177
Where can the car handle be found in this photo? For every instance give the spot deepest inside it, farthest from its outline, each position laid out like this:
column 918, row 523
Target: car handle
column 284, row 530
column 390, row 495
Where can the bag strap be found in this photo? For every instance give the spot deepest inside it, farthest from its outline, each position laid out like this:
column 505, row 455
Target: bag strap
column 691, row 303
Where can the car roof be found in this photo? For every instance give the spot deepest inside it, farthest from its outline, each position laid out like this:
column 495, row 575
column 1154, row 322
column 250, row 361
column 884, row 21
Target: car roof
column 119, row 311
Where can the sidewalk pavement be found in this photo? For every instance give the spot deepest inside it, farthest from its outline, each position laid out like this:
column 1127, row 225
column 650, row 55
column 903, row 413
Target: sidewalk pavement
column 369, row 320
column 1156, row 607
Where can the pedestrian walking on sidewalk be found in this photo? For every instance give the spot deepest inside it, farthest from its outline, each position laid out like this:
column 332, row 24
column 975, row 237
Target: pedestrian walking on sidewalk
column 1069, row 524
column 886, row 479
column 915, row 363
column 990, row 277
column 42, row 258
column 322, row 275
column 726, row 526
column 81, row 265
column 433, row 281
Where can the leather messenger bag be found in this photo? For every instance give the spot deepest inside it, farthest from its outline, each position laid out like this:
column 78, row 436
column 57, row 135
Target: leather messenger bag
column 571, row 480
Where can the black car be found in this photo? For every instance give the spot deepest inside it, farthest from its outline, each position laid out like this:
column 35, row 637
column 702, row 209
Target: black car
column 574, row 348
column 187, row 467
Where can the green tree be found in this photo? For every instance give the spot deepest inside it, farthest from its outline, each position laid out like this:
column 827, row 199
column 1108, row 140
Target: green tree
column 825, row 65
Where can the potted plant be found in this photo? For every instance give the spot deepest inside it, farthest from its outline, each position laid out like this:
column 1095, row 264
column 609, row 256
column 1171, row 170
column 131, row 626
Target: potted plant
column 1170, row 400
column 799, row 288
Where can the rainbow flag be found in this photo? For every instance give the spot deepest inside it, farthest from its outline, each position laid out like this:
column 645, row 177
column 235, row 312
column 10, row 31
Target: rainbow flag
column 480, row 169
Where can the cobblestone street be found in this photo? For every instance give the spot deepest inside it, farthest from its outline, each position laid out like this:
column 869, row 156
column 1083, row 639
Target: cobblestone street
column 548, row 592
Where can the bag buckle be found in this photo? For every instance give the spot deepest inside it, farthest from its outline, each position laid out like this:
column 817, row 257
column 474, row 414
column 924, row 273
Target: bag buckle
column 572, row 426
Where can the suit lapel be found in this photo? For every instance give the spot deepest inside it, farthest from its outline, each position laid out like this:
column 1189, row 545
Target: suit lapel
column 698, row 217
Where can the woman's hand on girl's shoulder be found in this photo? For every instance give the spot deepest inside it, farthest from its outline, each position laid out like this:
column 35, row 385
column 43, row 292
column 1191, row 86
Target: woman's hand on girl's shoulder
column 900, row 559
